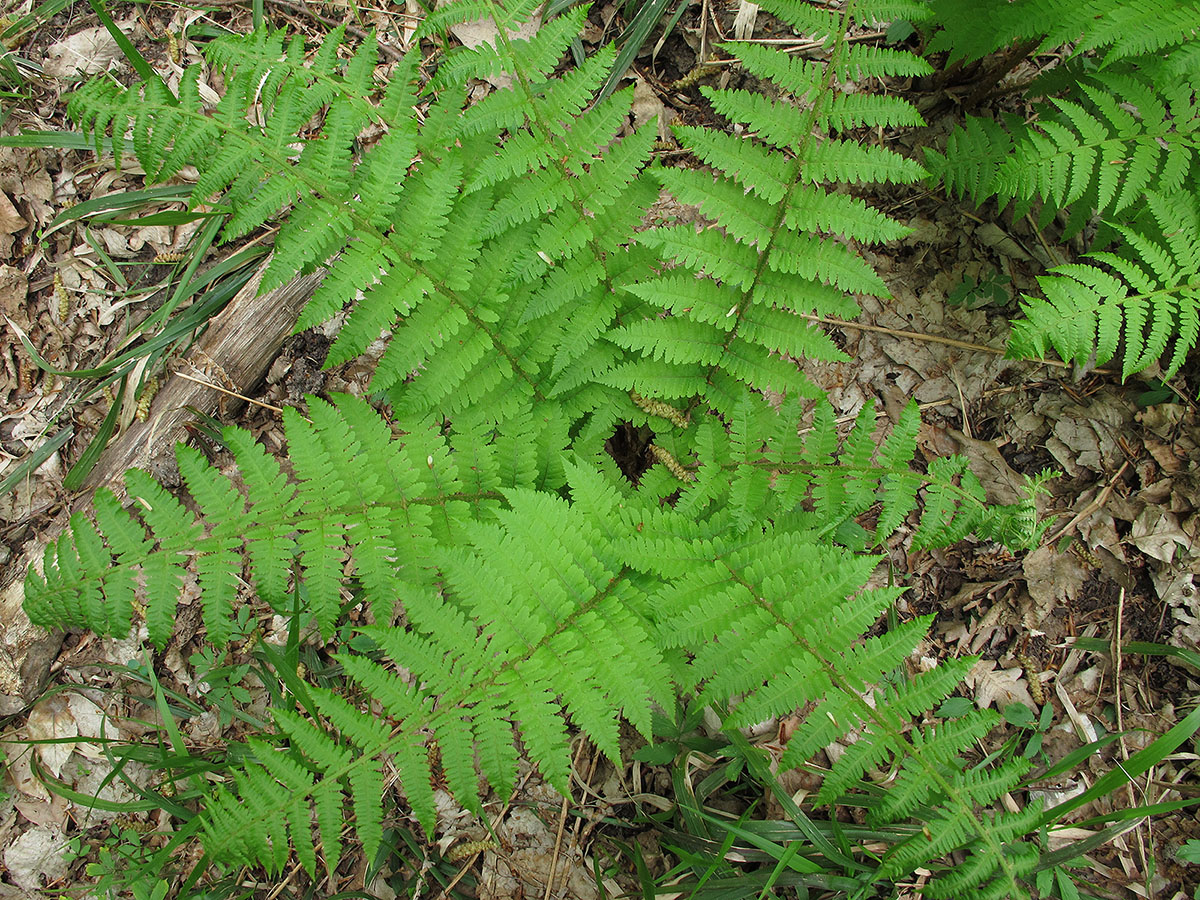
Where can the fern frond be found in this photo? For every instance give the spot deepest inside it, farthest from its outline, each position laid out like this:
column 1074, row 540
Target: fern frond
column 1097, row 149
column 336, row 509
column 538, row 567
column 1145, row 299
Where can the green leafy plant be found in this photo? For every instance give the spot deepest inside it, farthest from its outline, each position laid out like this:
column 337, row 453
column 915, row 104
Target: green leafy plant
column 988, row 289
column 519, row 582
column 1118, row 136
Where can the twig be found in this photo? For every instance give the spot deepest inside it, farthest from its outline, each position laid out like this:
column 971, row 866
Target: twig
column 216, row 387
column 962, row 403
column 279, row 888
column 1115, row 650
column 1091, row 507
column 1051, row 253
column 935, row 339
column 466, row 867
column 562, row 824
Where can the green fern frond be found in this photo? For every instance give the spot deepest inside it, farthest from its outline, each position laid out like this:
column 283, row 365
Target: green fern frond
column 1122, row 138
column 538, row 568
column 1098, row 150
column 781, row 231
column 1144, row 300
column 337, row 509
column 971, row 29
column 974, row 153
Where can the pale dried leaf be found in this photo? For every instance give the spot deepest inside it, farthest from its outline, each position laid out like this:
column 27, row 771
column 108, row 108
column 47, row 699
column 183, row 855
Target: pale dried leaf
column 37, row 858
column 88, row 52
column 999, row 687
column 53, row 720
column 647, row 105
column 92, row 723
column 1157, row 534
column 484, row 31
column 743, row 22
column 19, row 768
column 11, row 221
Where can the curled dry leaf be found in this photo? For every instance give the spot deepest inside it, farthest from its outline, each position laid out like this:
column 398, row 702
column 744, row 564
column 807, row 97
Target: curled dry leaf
column 648, row 105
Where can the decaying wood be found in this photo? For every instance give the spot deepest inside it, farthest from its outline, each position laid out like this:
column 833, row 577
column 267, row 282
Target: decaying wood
column 234, row 353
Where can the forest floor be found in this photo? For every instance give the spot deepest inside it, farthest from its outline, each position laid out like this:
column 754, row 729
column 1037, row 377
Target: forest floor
column 1121, row 563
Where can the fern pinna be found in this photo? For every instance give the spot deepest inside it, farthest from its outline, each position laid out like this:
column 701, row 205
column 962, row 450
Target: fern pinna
column 518, row 582
column 733, row 293
column 1120, row 137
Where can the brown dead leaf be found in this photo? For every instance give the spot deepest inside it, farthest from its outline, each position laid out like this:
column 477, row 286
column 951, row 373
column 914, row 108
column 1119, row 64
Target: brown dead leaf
column 11, row 221
column 1158, row 534
column 14, row 288
column 992, row 235
column 1054, row 579
column 1003, row 485
column 647, row 105
column 999, row 687
column 1165, row 455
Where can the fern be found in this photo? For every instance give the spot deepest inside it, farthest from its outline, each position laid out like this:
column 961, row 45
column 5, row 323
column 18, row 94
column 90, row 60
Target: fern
column 733, row 294
column 519, row 585
column 1146, row 296
column 506, row 594
column 1121, row 142
column 971, row 29
column 1091, row 150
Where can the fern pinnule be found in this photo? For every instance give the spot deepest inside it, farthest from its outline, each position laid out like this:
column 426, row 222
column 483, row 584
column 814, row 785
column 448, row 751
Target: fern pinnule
column 898, row 492
column 943, row 518
column 861, row 61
